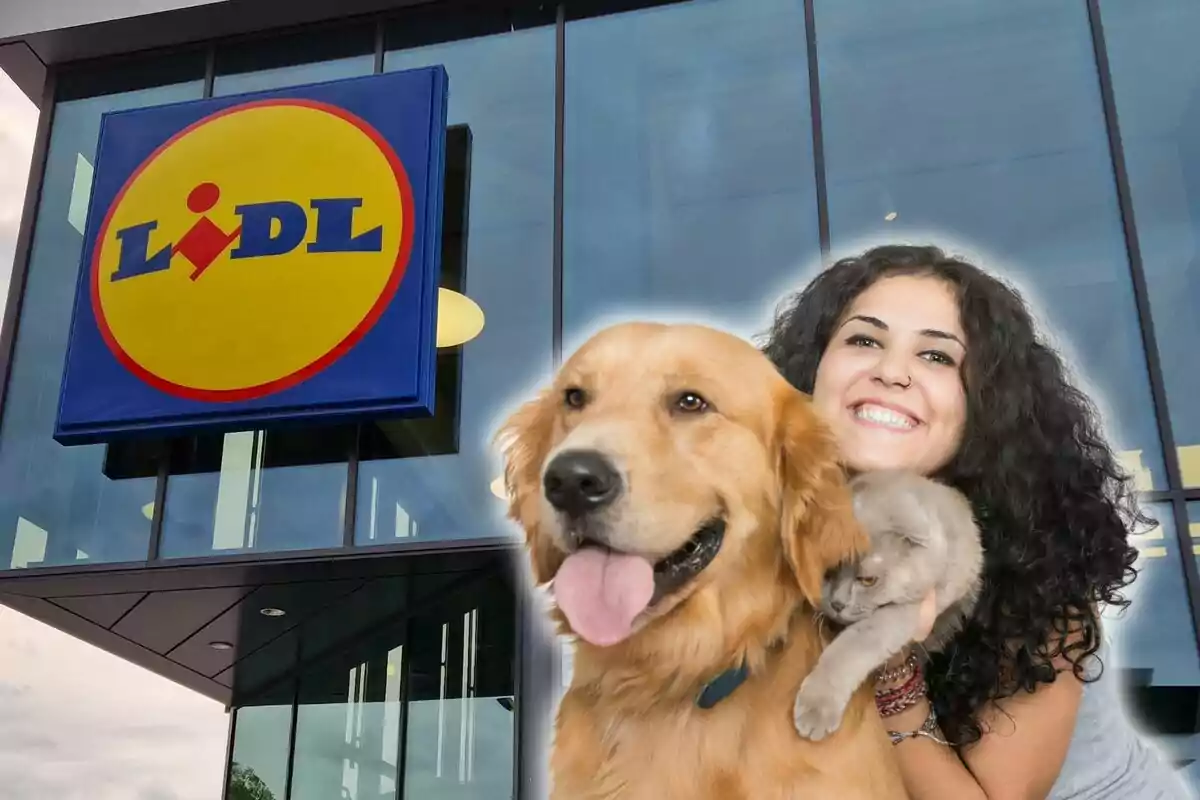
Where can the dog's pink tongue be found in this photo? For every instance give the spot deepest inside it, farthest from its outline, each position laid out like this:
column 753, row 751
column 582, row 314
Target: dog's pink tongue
column 601, row 593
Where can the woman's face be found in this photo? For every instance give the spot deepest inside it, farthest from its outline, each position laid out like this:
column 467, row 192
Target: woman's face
column 890, row 382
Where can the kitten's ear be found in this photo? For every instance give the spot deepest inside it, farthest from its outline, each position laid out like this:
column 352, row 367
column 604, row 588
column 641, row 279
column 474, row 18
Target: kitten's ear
column 818, row 526
column 900, row 507
column 915, row 537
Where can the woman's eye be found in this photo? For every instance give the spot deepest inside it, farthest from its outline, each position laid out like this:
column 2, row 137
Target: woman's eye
column 859, row 340
column 938, row 357
column 691, row 402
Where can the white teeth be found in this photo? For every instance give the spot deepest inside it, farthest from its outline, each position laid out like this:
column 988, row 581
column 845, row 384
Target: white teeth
column 883, row 416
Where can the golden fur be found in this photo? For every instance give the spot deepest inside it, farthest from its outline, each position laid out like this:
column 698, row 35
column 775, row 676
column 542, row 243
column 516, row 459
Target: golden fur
column 628, row 726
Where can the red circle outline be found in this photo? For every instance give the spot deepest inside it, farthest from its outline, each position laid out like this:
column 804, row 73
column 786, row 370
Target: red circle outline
column 337, row 351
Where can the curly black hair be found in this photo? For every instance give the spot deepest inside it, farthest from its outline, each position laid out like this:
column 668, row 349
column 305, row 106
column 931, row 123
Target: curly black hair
column 1054, row 506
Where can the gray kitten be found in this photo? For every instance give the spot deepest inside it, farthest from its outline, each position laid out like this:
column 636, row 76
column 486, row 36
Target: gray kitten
column 923, row 536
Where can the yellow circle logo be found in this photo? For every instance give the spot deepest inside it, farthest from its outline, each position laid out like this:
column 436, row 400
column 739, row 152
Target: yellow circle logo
column 252, row 250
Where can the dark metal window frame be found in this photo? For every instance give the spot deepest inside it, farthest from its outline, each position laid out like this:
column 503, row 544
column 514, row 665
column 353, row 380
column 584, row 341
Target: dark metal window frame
column 1175, row 494
column 537, row 668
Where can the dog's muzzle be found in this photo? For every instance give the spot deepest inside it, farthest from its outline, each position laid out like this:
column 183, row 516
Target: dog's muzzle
column 602, row 589
column 581, row 482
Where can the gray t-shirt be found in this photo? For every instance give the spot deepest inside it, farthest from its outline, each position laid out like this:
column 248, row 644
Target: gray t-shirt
column 1108, row 759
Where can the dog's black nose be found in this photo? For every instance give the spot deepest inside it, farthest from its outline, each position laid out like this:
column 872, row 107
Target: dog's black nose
column 579, row 481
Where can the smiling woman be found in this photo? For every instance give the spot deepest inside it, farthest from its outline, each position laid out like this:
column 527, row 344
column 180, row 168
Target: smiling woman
column 889, row 381
column 922, row 361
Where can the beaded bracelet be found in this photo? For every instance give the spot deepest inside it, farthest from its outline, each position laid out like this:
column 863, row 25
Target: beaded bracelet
column 928, row 730
column 903, row 698
column 913, row 684
column 903, row 670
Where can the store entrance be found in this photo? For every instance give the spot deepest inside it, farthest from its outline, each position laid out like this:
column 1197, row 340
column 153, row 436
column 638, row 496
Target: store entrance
column 421, row 706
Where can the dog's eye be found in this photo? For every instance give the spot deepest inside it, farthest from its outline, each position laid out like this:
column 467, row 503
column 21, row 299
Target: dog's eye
column 575, row 397
column 867, row 580
column 691, row 403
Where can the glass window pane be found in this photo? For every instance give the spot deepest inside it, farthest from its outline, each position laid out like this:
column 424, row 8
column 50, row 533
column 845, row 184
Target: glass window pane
column 348, row 731
column 1154, row 636
column 283, row 489
column 1156, row 77
column 689, row 169
column 459, row 741
column 263, row 491
column 410, row 485
column 59, row 505
column 260, row 750
column 320, row 55
column 979, row 125
column 82, row 80
column 433, row 692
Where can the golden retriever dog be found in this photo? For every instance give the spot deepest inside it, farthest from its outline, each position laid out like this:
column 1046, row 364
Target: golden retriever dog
column 685, row 503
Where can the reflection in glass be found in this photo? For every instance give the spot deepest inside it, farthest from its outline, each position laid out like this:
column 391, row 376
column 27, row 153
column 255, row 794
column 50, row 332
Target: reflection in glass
column 253, row 490
column 292, row 76
column 1154, row 635
column 256, row 491
column 410, row 486
column 1194, row 526
column 58, row 505
column 260, row 749
column 315, row 56
column 348, row 731
column 459, row 739
column 426, row 701
column 980, row 125
column 1156, row 86
column 689, row 172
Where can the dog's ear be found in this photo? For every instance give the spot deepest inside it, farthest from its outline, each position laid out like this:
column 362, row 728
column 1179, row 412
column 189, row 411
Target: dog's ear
column 525, row 438
column 819, row 529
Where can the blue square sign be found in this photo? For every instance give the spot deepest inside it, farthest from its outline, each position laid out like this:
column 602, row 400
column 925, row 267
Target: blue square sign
column 260, row 258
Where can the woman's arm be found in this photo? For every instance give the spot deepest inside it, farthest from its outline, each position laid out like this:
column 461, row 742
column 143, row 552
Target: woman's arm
column 1018, row 757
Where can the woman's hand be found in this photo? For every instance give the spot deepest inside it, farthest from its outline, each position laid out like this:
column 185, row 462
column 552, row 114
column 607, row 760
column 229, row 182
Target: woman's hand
column 1032, row 730
column 927, row 619
column 931, row 769
column 928, row 616
column 896, row 674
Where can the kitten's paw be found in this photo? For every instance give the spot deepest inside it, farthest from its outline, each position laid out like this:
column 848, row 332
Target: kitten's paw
column 817, row 712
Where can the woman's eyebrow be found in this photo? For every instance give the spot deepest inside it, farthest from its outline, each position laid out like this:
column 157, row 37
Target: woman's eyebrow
column 873, row 321
column 932, row 333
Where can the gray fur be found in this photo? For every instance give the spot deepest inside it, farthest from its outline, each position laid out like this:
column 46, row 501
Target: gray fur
column 923, row 536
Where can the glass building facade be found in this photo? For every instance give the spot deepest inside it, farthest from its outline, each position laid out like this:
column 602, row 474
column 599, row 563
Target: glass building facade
column 700, row 158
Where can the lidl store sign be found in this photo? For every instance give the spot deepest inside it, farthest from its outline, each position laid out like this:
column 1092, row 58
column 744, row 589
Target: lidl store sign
column 264, row 257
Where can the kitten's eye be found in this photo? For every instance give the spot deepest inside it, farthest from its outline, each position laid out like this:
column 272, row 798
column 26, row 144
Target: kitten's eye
column 574, row 397
column 867, row 580
column 691, row 403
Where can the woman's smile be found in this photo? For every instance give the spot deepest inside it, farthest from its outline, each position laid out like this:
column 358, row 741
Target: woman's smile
column 878, row 414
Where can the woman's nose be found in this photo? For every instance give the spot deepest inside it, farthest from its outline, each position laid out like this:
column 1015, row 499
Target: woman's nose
column 892, row 371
